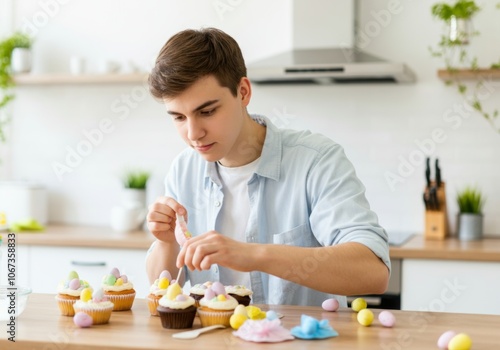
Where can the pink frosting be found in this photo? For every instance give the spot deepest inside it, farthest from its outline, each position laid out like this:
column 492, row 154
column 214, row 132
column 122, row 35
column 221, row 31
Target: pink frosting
column 263, row 331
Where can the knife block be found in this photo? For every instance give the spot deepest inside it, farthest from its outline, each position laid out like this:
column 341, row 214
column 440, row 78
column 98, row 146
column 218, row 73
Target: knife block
column 436, row 221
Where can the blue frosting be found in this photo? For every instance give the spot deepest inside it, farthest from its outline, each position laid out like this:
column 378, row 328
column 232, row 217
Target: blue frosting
column 311, row 328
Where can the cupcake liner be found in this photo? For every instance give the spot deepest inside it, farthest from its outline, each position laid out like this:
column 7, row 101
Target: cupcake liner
column 176, row 319
column 209, row 317
column 123, row 302
column 153, row 304
column 99, row 316
column 66, row 306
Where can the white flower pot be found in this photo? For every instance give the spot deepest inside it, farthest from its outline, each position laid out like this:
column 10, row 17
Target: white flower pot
column 470, row 227
column 20, row 60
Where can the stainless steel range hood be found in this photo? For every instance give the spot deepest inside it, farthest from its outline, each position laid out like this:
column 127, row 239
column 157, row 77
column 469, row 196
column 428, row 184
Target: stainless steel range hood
column 324, row 35
column 328, row 65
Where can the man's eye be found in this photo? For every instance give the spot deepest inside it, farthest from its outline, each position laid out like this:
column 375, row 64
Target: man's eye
column 179, row 118
column 208, row 112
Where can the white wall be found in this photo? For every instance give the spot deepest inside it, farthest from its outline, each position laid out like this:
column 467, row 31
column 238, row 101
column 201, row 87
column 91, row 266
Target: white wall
column 379, row 125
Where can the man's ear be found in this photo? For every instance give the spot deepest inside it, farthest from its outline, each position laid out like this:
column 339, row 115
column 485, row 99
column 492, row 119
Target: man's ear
column 245, row 91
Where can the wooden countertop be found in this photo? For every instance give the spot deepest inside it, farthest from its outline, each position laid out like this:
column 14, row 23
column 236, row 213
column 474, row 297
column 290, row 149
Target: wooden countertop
column 85, row 236
column 417, row 247
column 41, row 326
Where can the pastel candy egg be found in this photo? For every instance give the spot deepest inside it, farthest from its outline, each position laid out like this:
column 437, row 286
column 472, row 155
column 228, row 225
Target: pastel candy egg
column 209, row 294
column 237, row 320
column 330, row 304
column 271, row 315
column 460, row 341
column 181, row 297
column 444, row 339
column 81, row 319
column 255, row 313
column 221, row 297
column 86, row 294
column 173, row 290
column 165, row 274
column 109, row 280
column 241, row 310
column 72, row 275
column 365, row 317
column 386, row 318
column 358, row 304
column 163, row 283
column 115, row 272
column 218, row 288
column 74, row 284
column 124, row 278
column 98, row 295
column 119, row 282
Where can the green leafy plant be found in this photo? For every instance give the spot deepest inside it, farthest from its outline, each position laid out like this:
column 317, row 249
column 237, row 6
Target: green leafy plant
column 136, row 179
column 470, row 200
column 6, row 82
column 454, row 52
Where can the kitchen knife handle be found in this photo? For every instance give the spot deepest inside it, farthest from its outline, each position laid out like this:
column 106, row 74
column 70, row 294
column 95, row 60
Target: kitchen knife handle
column 438, row 174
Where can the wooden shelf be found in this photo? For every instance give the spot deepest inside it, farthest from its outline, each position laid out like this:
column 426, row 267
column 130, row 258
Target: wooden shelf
column 469, row 74
column 68, row 79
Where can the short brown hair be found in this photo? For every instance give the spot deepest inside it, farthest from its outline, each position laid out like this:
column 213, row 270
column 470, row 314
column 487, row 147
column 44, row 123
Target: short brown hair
column 192, row 54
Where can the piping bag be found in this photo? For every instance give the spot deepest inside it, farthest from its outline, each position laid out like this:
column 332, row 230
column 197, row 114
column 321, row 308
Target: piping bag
column 182, row 234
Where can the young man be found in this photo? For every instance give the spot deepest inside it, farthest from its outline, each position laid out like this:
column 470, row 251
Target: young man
column 279, row 211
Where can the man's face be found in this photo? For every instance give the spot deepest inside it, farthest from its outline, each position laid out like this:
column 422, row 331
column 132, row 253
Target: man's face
column 210, row 119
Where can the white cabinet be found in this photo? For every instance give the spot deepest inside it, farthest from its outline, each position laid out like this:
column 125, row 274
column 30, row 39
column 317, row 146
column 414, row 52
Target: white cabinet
column 21, row 265
column 450, row 286
column 49, row 265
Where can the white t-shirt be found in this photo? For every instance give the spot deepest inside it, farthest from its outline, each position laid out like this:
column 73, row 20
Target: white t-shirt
column 234, row 213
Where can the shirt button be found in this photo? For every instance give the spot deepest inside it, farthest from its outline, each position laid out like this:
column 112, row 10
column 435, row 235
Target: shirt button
column 217, row 203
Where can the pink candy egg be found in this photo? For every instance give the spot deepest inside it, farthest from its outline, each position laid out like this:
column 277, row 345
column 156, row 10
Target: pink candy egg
column 124, row 278
column 74, row 284
column 444, row 339
column 330, row 304
column 181, row 297
column 218, row 288
column 165, row 274
column 386, row 318
column 81, row 319
column 209, row 294
column 115, row 272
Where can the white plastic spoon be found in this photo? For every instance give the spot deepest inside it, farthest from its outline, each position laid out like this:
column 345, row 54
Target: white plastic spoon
column 196, row 332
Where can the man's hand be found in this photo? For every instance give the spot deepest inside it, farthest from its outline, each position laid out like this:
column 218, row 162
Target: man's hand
column 161, row 218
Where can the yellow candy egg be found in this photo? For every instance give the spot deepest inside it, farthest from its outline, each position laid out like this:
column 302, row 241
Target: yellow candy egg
column 237, row 320
column 358, row 304
column 365, row 317
column 460, row 342
column 119, row 282
column 86, row 294
column 173, row 290
column 163, row 283
column 221, row 297
column 253, row 312
column 241, row 310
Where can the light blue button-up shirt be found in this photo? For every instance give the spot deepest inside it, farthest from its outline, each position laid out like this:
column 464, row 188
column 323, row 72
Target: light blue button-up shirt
column 304, row 193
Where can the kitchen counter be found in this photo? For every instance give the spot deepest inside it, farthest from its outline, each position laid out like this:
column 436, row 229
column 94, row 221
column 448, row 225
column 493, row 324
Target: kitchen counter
column 417, row 247
column 41, row 326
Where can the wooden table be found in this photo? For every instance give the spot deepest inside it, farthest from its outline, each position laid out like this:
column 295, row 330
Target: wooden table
column 41, row 327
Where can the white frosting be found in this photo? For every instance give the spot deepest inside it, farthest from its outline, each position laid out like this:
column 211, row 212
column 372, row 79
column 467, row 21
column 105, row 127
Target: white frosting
column 61, row 289
column 239, row 290
column 176, row 304
column 125, row 286
column 198, row 289
column 91, row 305
column 157, row 291
column 229, row 304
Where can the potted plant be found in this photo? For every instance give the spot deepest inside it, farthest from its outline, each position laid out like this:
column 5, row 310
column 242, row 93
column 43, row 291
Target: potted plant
column 8, row 49
column 470, row 218
column 457, row 17
column 135, row 183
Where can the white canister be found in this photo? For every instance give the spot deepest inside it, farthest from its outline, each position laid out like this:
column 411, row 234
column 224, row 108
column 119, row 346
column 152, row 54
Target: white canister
column 20, row 60
column 22, row 200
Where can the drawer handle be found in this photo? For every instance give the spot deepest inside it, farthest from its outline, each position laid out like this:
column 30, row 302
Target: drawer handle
column 88, row 263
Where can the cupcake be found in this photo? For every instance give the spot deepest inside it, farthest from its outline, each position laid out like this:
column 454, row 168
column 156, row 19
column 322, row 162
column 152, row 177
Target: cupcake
column 198, row 291
column 118, row 290
column 68, row 292
column 95, row 305
column 240, row 293
column 176, row 310
column 157, row 290
column 216, row 307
